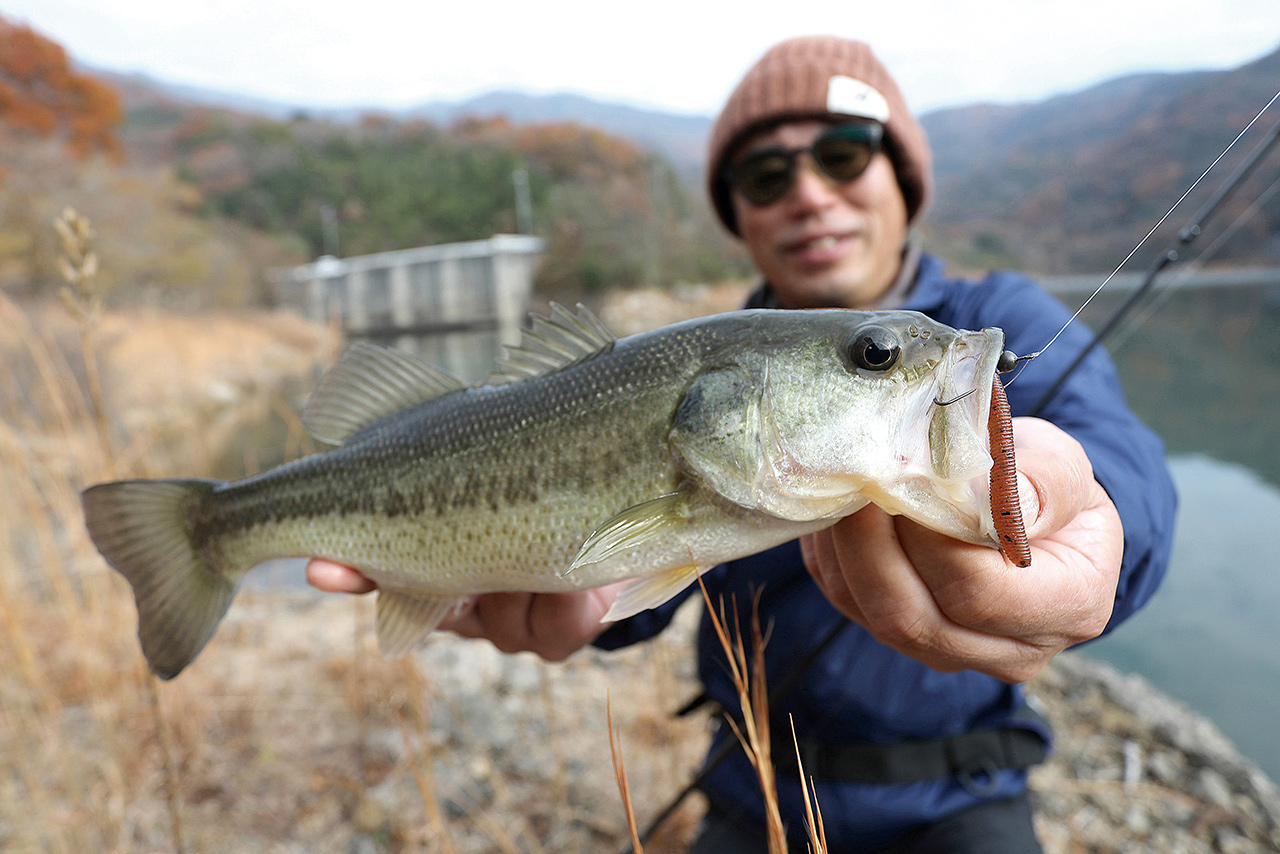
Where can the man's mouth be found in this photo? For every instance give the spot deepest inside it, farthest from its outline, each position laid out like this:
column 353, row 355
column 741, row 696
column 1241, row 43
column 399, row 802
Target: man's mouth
column 819, row 249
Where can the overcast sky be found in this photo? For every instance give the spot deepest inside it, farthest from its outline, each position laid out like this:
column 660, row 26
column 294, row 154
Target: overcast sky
column 672, row 54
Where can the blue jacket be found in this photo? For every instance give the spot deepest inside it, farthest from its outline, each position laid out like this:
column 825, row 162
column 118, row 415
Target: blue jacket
column 860, row 690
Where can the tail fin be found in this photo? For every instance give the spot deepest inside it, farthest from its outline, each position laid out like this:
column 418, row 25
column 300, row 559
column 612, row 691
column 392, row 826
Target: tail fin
column 143, row 529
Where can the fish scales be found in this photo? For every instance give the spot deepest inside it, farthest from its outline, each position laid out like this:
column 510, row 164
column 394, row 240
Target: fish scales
column 649, row 458
column 441, row 475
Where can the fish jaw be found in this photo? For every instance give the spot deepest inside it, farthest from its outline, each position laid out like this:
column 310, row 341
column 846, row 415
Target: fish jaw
column 946, row 484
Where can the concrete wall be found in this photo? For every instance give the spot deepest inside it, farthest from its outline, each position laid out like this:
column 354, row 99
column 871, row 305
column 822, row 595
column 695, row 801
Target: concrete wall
column 453, row 304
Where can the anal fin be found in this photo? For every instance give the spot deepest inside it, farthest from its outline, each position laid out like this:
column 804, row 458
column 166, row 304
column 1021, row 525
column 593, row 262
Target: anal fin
column 650, row 591
column 405, row 618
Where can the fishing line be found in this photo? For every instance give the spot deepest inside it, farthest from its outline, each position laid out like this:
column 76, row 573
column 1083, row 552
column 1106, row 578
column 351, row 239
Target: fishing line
column 1152, row 230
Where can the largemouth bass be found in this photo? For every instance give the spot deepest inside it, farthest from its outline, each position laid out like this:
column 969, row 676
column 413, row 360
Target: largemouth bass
column 585, row 460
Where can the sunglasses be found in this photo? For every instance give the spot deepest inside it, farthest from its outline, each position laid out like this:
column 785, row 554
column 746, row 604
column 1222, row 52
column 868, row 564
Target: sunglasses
column 842, row 153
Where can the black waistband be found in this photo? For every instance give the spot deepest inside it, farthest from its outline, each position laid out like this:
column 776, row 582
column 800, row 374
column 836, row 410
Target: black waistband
column 967, row 755
column 972, row 756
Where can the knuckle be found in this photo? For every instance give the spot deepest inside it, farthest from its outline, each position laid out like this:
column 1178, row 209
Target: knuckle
column 1021, row 671
column 1093, row 626
column 905, row 627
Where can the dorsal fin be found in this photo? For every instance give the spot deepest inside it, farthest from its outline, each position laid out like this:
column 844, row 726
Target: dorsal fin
column 550, row 343
column 368, row 383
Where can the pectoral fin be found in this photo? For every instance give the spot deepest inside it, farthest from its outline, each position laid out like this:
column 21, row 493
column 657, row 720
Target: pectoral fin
column 632, row 527
column 404, row 619
column 650, row 591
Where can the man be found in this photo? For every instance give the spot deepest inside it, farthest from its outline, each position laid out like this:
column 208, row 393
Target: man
column 910, row 716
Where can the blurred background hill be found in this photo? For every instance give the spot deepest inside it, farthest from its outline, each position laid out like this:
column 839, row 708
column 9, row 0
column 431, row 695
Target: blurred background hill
column 201, row 194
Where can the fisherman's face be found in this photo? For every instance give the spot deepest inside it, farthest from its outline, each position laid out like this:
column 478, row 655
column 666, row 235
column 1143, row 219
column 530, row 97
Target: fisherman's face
column 825, row 244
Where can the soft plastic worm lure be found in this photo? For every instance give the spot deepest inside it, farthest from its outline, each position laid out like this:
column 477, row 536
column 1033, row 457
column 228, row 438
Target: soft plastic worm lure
column 1006, row 512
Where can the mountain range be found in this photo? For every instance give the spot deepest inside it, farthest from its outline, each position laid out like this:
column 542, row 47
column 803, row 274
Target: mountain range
column 1065, row 184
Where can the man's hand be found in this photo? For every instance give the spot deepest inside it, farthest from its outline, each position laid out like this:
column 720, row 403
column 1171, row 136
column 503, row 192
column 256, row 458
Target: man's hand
column 553, row 625
column 335, row 578
column 956, row 606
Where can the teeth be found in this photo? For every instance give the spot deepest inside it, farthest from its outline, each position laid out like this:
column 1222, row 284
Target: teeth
column 823, row 242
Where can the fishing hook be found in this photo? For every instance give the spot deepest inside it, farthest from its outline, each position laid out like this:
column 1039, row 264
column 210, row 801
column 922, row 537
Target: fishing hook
column 1007, row 362
column 957, row 399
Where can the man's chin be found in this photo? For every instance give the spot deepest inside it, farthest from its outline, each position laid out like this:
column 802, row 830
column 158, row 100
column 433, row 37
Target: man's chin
column 822, row 292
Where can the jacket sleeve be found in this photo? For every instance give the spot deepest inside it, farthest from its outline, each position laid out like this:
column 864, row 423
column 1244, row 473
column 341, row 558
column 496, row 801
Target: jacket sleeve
column 1128, row 458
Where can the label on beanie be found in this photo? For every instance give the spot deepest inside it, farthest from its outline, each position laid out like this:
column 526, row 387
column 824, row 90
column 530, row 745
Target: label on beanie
column 850, row 97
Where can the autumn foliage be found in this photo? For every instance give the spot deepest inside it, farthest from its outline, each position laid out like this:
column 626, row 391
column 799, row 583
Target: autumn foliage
column 40, row 94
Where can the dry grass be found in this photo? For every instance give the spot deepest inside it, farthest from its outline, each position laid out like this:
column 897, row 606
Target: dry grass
column 291, row 734
column 753, row 734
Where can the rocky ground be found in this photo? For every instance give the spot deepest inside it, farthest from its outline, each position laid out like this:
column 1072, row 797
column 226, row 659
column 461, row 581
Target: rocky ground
column 1135, row 770
column 294, row 737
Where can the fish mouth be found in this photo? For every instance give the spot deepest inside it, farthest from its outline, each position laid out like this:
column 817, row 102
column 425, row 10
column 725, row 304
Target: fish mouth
column 975, row 356
column 959, row 434
column 964, row 391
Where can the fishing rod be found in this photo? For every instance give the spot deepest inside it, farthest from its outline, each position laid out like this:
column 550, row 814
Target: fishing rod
column 1185, row 237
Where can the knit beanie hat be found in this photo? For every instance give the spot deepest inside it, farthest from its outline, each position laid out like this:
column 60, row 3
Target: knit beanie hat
column 820, row 77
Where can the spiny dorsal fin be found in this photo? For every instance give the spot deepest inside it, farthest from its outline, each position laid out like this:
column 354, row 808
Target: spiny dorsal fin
column 368, row 383
column 551, row 343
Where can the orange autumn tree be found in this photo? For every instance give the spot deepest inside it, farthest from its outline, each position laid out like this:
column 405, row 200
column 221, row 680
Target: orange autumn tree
column 41, row 95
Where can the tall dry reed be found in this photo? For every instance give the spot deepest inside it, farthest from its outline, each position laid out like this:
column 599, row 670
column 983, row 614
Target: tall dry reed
column 85, row 738
column 63, row 666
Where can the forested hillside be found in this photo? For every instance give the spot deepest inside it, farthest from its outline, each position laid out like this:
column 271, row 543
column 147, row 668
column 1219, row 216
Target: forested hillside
column 204, row 203
column 1071, row 183
column 613, row 214
column 197, row 203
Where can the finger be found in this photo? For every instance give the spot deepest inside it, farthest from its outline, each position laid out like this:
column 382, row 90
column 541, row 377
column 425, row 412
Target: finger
column 1063, row 598
column 335, row 578
column 823, row 562
column 1054, row 475
column 502, row 619
column 553, row 625
column 462, row 619
column 562, row 623
column 893, row 602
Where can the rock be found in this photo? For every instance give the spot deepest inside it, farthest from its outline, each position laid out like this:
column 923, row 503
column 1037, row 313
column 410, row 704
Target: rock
column 368, row 815
column 1138, row 821
column 1167, row 767
column 1211, row 786
column 1228, row 841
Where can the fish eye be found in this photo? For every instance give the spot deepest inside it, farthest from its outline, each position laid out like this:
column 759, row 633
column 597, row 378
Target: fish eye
column 874, row 348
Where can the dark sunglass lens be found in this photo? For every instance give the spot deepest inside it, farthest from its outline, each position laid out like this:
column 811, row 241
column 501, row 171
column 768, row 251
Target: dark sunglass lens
column 764, row 178
column 842, row 159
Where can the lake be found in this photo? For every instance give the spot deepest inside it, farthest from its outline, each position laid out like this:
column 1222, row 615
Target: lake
column 1204, row 371
column 1210, row 637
